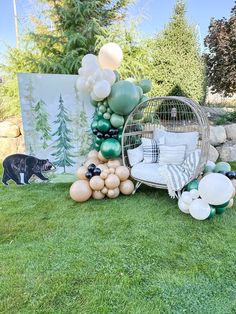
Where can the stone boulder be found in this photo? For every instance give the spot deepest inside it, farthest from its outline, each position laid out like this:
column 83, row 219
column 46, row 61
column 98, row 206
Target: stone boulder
column 213, row 154
column 9, row 129
column 8, row 146
column 217, row 135
column 231, row 132
column 228, row 152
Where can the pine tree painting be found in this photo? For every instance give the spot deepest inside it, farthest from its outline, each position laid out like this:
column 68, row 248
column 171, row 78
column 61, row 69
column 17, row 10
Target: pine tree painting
column 63, row 156
column 42, row 123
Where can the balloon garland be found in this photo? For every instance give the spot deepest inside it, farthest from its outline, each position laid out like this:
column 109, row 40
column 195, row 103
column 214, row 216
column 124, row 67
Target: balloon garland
column 210, row 195
column 102, row 174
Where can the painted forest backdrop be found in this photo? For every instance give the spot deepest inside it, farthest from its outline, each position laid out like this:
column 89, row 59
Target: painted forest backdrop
column 56, row 120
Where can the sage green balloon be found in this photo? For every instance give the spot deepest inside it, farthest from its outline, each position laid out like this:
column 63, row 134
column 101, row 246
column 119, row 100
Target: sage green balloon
column 131, row 79
column 144, row 98
column 146, row 85
column 110, row 148
column 102, row 109
column 117, row 74
column 222, row 166
column 117, row 120
column 103, row 125
column 93, row 102
column 107, row 115
column 124, row 97
column 140, row 91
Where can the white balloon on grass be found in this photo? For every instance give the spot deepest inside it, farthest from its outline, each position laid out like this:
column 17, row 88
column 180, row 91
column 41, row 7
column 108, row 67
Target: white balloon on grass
column 186, row 197
column 194, row 194
column 184, row 207
column 102, row 89
column 199, row 209
column 215, row 189
column 89, row 59
column 109, row 76
column 110, row 56
column 94, row 97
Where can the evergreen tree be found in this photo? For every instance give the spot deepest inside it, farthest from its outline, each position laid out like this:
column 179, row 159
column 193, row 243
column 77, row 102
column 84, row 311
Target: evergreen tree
column 42, row 124
column 177, row 67
column 63, row 142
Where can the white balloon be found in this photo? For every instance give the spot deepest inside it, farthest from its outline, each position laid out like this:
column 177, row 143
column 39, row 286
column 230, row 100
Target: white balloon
column 183, row 206
column 199, row 209
column 109, row 76
column 80, row 84
column 90, row 69
column 110, row 56
column 88, row 59
column 91, row 80
column 186, row 197
column 88, row 86
column 81, row 71
column 194, row 194
column 102, row 89
column 98, row 75
column 94, row 97
column 215, row 189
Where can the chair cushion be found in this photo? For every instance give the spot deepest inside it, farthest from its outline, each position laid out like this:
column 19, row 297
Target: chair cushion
column 135, row 155
column 148, row 172
column 150, row 150
column 171, row 138
column 172, row 155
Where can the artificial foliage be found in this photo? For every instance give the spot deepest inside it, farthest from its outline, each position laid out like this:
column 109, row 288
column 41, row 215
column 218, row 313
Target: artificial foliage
column 63, row 144
column 221, row 59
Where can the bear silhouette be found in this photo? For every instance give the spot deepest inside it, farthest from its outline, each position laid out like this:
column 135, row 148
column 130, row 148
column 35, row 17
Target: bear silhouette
column 16, row 164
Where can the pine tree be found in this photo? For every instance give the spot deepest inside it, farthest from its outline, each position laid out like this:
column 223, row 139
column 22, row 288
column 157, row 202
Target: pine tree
column 63, row 142
column 42, row 123
column 178, row 68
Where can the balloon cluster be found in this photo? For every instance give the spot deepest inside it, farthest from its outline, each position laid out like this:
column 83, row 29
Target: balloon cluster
column 210, row 195
column 99, row 177
column 113, row 98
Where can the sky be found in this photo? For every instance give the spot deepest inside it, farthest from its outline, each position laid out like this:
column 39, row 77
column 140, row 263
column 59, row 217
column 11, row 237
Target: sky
column 155, row 15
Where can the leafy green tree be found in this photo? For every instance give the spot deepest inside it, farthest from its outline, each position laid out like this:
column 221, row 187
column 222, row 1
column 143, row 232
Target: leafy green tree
column 42, row 123
column 63, row 142
column 177, row 67
column 221, row 60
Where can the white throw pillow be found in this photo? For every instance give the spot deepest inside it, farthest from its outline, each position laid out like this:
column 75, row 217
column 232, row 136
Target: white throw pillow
column 189, row 139
column 150, row 150
column 172, row 155
column 135, row 155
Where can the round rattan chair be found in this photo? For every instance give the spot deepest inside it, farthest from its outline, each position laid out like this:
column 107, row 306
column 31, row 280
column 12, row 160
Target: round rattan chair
column 173, row 114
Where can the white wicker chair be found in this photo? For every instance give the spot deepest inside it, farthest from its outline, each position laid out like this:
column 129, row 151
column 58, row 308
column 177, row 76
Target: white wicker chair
column 174, row 114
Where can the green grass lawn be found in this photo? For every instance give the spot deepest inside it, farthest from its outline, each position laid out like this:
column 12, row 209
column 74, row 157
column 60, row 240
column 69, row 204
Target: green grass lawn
column 135, row 254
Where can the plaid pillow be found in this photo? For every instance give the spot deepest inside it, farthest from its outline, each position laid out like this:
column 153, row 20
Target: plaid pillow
column 151, row 150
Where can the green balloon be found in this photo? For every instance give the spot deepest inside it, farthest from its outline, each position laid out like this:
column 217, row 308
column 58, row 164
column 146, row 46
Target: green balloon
column 193, row 185
column 117, row 120
column 107, row 115
column 103, row 125
column 220, row 210
column 96, row 146
column 117, row 74
column 222, row 205
column 102, row 109
column 98, row 141
column 105, row 103
column 120, row 128
column 131, row 80
column 99, row 114
column 209, row 167
column 146, row 85
column 138, row 115
column 212, row 213
column 144, row 98
column 94, row 124
column 222, row 166
column 124, row 97
column 110, row 148
column 109, row 110
column 120, row 136
column 140, row 92
column 93, row 102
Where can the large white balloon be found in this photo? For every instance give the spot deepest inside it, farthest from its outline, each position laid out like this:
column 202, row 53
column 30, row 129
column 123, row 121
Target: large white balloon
column 88, row 59
column 109, row 76
column 199, row 209
column 90, row 69
column 184, row 207
column 80, row 84
column 215, row 189
column 102, row 89
column 110, row 56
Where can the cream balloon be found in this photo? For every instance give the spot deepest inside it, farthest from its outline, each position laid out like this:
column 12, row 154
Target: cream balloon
column 186, row 197
column 80, row 191
column 109, row 76
column 112, row 170
column 98, row 195
column 102, row 167
column 113, row 193
column 114, row 163
column 96, row 183
column 81, row 172
column 110, row 56
column 199, row 209
column 103, row 175
column 102, row 89
column 112, row 181
column 126, row 187
column 93, row 154
column 184, row 207
column 122, row 172
column 104, row 190
column 91, row 161
column 88, row 59
column 215, row 189
column 231, row 203
column 101, row 157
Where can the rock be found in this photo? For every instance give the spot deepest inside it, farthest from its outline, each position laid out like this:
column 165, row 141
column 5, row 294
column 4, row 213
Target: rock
column 9, row 129
column 213, row 154
column 231, row 131
column 20, row 145
column 228, row 152
column 8, row 147
column 217, row 135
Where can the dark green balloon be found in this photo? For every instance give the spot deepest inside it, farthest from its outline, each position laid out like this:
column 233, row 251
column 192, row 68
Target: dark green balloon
column 96, row 146
column 110, row 148
column 220, row 210
column 212, row 213
column 146, row 85
column 222, row 205
column 124, row 97
column 103, row 125
column 193, row 185
column 120, row 136
column 98, row 141
column 94, row 124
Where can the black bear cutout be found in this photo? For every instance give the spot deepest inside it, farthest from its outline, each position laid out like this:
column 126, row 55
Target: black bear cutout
column 16, row 164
